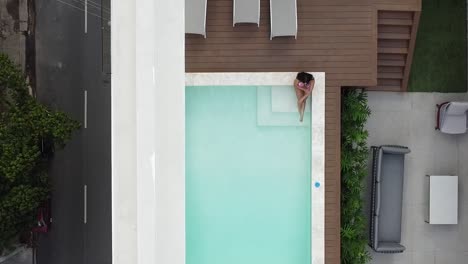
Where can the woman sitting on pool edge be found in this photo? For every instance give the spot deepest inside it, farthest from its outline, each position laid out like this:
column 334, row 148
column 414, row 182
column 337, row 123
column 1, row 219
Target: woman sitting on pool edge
column 303, row 85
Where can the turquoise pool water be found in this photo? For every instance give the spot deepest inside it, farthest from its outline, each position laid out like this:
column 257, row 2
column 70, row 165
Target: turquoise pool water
column 247, row 181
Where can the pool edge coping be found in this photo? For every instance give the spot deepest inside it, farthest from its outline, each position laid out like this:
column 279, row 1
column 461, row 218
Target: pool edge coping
column 317, row 140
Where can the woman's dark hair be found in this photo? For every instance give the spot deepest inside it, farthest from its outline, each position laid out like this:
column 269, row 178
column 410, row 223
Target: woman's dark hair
column 304, row 77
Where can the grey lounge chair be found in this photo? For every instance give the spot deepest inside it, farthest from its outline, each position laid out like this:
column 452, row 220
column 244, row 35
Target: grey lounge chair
column 195, row 17
column 387, row 196
column 283, row 18
column 452, row 117
column 246, row 11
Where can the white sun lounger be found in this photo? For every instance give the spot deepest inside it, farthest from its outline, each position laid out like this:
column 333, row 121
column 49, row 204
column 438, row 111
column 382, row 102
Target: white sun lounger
column 283, row 18
column 195, row 17
column 452, row 117
column 246, row 11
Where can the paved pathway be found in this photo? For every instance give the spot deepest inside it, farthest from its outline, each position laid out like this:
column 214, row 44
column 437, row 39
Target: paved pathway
column 13, row 24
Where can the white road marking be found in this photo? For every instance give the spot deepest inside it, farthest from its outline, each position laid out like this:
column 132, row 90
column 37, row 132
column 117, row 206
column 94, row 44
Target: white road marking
column 85, row 204
column 85, row 109
column 86, row 16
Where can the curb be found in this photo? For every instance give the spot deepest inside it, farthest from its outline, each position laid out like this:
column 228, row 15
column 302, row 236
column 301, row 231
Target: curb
column 30, row 46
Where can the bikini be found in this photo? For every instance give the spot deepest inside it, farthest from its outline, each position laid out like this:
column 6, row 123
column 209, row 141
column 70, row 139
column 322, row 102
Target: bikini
column 301, row 86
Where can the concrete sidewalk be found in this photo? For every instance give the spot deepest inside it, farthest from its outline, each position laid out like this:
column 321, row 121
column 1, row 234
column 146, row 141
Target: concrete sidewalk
column 14, row 29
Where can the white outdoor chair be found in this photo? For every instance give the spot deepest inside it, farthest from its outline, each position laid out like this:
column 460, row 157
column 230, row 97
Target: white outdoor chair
column 195, row 17
column 246, row 11
column 283, row 18
column 452, row 117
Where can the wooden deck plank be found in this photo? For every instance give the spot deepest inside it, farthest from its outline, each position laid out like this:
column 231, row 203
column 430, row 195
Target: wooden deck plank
column 331, row 35
column 394, row 36
column 396, row 57
column 282, row 46
column 393, row 50
column 390, row 69
column 395, row 22
column 332, row 172
column 394, row 29
column 391, row 75
column 409, row 58
column 303, row 40
column 394, row 43
column 319, row 61
column 400, row 63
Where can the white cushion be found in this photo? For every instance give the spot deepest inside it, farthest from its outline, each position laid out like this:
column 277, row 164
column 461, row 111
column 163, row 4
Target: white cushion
column 457, row 108
column 453, row 124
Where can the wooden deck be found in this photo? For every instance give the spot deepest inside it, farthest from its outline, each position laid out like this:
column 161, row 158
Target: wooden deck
column 338, row 37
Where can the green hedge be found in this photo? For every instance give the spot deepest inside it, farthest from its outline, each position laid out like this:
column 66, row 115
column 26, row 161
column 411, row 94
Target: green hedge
column 354, row 156
column 25, row 125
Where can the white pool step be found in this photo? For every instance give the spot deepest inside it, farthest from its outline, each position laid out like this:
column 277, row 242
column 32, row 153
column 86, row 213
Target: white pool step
column 277, row 106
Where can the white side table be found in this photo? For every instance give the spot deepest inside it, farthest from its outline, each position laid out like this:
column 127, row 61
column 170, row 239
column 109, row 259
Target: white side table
column 443, row 200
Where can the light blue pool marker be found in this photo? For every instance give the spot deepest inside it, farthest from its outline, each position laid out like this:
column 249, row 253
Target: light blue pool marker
column 317, row 184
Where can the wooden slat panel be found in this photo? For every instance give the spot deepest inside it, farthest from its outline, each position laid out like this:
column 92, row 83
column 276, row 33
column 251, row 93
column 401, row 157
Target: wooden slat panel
column 390, row 75
column 332, row 174
column 394, row 43
column 400, row 63
column 374, row 46
column 318, row 61
column 394, row 36
column 280, row 46
column 398, row 5
column 395, row 15
column 331, row 36
column 390, row 69
column 393, row 50
column 392, row 57
column 304, row 28
column 274, row 52
column 394, row 29
column 395, row 22
column 409, row 58
column 190, row 40
column 310, row 20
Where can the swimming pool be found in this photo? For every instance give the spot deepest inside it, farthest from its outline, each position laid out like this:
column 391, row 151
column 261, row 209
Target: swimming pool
column 248, row 176
column 222, row 222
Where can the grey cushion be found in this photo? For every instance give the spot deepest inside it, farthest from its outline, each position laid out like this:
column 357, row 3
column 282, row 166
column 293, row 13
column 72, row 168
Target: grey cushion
column 246, row 11
column 391, row 187
column 283, row 18
column 195, row 17
column 390, row 247
column 387, row 197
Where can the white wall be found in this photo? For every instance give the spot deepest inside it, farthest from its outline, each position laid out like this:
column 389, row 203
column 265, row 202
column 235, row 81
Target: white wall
column 148, row 180
column 170, row 137
column 124, row 239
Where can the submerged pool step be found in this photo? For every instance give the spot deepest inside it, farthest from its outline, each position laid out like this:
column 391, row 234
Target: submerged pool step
column 277, row 106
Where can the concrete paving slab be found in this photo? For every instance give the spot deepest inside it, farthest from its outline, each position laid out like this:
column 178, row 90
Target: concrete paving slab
column 409, row 119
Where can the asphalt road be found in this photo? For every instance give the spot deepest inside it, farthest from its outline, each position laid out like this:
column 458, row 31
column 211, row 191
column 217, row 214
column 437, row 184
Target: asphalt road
column 72, row 57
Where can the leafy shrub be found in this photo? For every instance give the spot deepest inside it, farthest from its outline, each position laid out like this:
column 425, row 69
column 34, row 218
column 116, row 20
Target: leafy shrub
column 354, row 156
column 24, row 125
